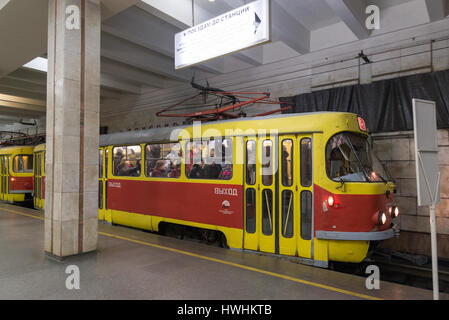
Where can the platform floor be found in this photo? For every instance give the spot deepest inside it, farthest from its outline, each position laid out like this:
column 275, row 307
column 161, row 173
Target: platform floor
column 132, row 264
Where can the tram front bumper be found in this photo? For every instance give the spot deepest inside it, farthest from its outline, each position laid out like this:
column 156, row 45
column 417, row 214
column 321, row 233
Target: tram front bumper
column 355, row 236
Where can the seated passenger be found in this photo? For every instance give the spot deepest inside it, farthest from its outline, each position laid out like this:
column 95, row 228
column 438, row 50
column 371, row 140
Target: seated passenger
column 121, row 167
column 159, row 170
column 196, row 172
column 118, row 157
column 226, row 174
column 175, row 172
column 134, row 171
column 125, row 168
column 212, row 171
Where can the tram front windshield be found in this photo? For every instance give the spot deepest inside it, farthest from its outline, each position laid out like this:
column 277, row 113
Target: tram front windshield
column 349, row 158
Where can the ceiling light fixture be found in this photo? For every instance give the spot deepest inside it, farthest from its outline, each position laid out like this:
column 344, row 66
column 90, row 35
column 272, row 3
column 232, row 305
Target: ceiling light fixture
column 39, row 63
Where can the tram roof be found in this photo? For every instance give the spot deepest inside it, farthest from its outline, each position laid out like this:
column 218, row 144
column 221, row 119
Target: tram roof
column 16, row 149
column 40, row 147
column 284, row 123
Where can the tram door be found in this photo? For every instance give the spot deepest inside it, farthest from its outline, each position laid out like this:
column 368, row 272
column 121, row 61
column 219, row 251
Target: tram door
column 295, row 195
column 4, row 188
column 39, row 173
column 101, row 184
column 2, row 177
column 260, row 194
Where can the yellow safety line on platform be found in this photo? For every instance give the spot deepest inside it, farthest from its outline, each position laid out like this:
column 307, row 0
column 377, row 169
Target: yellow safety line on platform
column 273, row 274
column 23, row 214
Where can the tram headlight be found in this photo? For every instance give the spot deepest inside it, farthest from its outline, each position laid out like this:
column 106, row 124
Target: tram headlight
column 379, row 218
column 395, row 212
column 382, row 218
column 13, row 179
column 330, row 201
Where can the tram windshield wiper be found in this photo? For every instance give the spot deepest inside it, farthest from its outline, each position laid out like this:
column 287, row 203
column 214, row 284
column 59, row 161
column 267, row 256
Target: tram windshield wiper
column 342, row 184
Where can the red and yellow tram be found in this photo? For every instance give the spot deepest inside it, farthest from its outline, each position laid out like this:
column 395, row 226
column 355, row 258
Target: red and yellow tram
column 303, row 185
column 16, row 173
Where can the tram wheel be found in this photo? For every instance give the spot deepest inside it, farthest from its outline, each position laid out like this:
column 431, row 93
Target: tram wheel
column 222, row 241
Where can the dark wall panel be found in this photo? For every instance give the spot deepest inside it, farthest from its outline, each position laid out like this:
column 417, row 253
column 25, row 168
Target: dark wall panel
column 385, row 105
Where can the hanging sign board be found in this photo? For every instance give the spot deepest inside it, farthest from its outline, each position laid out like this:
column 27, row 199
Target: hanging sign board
column 236, row 30
column 426, row 152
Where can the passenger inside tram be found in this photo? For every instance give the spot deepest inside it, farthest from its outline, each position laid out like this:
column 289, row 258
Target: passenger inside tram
column 175, row 172
column 162, row 160
column 127, row 162
column 205, row 163
column 212, row 170
column 159, row 170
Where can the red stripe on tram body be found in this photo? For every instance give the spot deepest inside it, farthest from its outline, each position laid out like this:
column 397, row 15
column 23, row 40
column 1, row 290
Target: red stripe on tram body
column 213, row 204
column 350, row 213
column 20, row 183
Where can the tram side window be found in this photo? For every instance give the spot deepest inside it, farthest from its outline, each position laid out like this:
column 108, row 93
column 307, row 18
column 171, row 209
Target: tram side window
column 23, row 164
column 267, row 212
column 251, row 162
column 100, row 162
column 163, row 160
column 267, row 162
column 127, row 161
column 106, row 163
column 287, row 213
column 306, row 215
column 100, row 194
column 287, row 163
column 36, row 164
column 209, row 159
column 306, row 162
column 39, row 164
column 250, row 210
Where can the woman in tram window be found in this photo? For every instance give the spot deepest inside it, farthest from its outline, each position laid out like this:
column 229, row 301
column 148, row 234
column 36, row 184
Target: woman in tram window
column 121, row 167
column 153, row 153
column 159, row 170
column 135, row 169
column 118, row 160
column 193, row 159
column 226, row 174
column 174, row 172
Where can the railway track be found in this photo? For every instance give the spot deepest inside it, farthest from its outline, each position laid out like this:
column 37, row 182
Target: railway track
column 396, row 267
column 405, row 272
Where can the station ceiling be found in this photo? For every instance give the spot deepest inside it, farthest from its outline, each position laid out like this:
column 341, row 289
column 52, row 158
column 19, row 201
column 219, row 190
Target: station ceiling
column 137, row 41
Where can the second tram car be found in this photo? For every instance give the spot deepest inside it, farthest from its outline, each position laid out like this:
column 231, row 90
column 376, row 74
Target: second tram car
column 16, row 174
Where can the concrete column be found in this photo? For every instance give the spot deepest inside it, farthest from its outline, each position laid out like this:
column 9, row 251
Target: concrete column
column 73, row 102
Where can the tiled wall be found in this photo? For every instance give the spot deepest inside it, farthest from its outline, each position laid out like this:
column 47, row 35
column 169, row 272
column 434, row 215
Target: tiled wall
column 396, row 152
